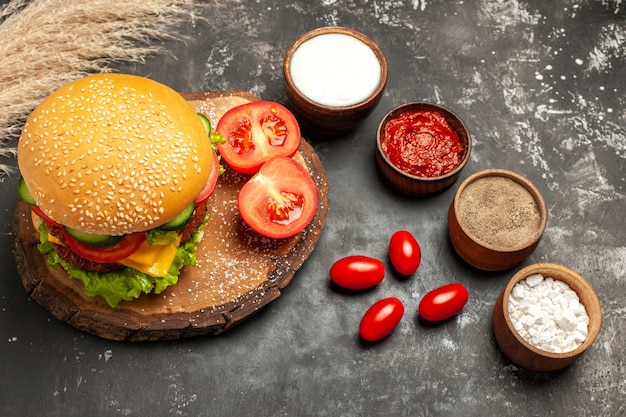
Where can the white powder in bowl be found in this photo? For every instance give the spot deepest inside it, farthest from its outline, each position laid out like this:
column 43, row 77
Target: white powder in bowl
column 548, row 314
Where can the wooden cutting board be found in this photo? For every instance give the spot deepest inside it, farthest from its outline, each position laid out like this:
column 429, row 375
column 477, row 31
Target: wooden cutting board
column 238, row 272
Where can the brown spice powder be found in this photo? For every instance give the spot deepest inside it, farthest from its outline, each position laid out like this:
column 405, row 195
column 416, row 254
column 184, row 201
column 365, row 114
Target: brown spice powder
column 499, row 211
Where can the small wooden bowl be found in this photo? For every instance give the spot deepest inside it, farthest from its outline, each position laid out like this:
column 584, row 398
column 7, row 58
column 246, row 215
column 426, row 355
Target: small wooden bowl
column 519, row 350
column 331, row 119
column 492, row 234
column 417, row 186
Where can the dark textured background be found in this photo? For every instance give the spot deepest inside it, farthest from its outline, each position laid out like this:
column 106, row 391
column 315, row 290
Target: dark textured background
column 541, row 86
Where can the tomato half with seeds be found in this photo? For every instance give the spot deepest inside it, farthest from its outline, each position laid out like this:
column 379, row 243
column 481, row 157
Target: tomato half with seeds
column 256, row 132
column 280, row 200
column 121, row 250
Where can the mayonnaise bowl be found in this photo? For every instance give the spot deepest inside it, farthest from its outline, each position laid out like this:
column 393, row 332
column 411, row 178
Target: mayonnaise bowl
column 334, row 78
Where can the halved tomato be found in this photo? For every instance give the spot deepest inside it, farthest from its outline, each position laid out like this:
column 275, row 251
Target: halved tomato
column 280, row 200
column 211, row 183
column 122, row 249
column 255, row 133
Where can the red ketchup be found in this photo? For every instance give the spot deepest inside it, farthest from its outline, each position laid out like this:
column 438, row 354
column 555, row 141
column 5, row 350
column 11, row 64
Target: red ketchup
column 422, row 143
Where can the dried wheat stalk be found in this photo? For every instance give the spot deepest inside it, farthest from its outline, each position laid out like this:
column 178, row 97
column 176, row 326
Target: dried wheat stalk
column 47, row 43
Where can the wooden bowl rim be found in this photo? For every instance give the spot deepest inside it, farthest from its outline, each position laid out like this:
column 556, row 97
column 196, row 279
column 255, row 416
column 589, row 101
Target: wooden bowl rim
column 521, row 180
column 444, row 111
column 577, row 283
column 345, row 31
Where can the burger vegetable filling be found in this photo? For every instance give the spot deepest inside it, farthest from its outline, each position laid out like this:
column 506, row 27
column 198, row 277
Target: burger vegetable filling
column 128, row 282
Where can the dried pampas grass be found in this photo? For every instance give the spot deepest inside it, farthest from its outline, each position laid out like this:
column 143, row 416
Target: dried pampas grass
column 47, row 43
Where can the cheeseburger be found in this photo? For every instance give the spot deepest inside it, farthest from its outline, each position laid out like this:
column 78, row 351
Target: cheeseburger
column 117, row 170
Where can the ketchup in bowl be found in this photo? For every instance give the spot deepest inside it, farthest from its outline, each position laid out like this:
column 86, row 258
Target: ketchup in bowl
column 422, row 143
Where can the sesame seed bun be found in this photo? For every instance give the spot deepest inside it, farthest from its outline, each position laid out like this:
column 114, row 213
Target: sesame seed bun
column 114, row 154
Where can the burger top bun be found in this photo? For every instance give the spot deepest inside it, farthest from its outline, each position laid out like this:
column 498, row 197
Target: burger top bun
column 114, row 154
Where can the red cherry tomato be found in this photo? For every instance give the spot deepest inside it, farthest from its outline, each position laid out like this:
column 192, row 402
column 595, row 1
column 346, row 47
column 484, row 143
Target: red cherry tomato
column 280, row 200
column 256, row 132
column 380, row 320
column 443, row 302
column 357, row 272
column 404, row 252
column 122, row 249
column 211, row 183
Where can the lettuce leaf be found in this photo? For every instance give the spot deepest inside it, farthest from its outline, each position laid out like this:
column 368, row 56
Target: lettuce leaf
column 128, row 283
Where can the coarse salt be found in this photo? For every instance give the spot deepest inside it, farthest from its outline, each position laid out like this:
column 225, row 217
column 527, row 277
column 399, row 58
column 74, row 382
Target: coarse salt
column 548, row 314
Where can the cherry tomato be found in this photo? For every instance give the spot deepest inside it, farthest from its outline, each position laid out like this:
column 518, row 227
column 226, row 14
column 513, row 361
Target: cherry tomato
column 211, row 183
column 122, row 249
column 256, row 132
column 404, row 252
column 357, row 272
column 443, row 302
column 280, row 200
column 380, row 320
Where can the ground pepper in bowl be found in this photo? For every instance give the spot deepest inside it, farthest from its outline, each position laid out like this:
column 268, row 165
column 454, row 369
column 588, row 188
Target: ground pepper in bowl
column 422, row 143
column 496, row 219
column 500, row 212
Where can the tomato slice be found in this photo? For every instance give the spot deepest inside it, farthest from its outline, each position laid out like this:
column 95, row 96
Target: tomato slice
column 280, row 200
column 40, row 213
column 256, row 132
column 122, row 249
column 211, row 183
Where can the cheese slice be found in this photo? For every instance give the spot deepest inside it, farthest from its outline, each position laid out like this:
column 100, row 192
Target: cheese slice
column 54, row 240
column 154, row 260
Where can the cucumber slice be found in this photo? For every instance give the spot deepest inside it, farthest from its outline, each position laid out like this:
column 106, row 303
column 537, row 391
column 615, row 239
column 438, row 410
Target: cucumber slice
column 206, row 122
column 179, row 221
column 92, row 238
column 24, row 193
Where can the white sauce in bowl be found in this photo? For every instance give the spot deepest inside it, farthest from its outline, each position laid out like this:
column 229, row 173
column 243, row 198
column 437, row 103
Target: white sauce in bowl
column 335, row 69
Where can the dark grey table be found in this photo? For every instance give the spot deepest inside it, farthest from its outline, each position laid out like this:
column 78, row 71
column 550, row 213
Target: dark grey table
column 541, row 86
